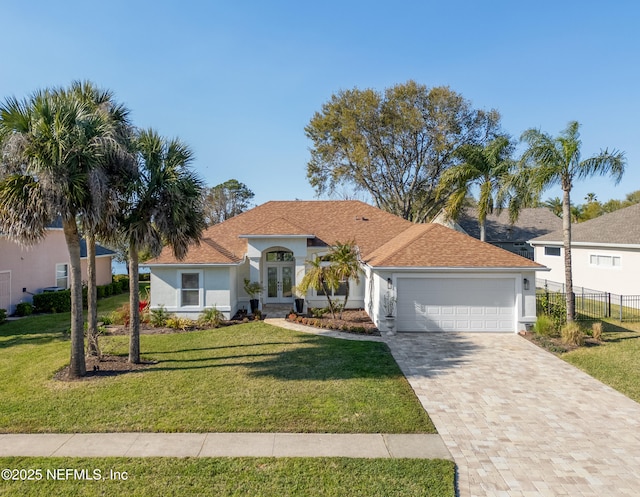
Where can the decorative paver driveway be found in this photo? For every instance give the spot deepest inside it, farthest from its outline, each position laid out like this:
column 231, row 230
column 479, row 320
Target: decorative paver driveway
column 518, row 420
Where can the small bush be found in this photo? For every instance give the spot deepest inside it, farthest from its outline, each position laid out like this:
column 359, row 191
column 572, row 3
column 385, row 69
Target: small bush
column 318, row 312
column 571, row 334
column 116, row 288
column 158, row 317
column 545, row 326
column 105, row 319
column 122, row 315
column 178, row 323
column 3, row 315
column 596, row 331
column 24, row 309
column 211, row 317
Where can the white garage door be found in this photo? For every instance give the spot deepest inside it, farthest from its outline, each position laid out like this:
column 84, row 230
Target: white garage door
column 456, row 304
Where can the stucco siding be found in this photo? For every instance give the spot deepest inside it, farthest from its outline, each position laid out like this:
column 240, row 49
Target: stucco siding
column 623, row 279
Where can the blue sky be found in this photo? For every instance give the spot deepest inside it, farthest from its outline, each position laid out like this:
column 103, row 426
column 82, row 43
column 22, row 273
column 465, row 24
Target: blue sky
column 238, row 81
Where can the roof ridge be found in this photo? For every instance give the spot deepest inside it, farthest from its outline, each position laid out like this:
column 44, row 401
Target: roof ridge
column 419, row 228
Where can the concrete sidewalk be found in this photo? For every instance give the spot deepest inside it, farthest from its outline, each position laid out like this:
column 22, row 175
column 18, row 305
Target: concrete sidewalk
column 421, row 446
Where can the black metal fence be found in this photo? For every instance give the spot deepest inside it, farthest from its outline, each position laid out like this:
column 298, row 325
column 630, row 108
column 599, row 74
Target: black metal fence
column 590, row 306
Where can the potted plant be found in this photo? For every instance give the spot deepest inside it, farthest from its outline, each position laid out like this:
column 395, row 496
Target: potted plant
column 299, row 300
column 253, row 289
column 389, row 305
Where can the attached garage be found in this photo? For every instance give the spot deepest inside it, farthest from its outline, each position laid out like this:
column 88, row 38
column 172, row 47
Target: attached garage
column 456, row 304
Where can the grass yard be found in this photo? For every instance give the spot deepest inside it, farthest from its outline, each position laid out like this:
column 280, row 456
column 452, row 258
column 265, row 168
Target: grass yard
column 616, row 362
column 298, row 477
column 246, row 378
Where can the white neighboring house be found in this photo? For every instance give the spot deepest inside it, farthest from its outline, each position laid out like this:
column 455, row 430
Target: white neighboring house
column 605, row 253
column 443, row 280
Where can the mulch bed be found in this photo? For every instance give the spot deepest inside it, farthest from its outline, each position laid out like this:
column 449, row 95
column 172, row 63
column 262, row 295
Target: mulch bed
column 106, row 366
column 355, row 321
column 554, row 344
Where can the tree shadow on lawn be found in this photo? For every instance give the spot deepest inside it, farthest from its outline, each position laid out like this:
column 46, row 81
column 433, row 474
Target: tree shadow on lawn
column 319, row 358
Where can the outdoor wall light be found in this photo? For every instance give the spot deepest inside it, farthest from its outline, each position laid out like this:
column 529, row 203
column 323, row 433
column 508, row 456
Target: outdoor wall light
column 389, row 284
column 526, row 284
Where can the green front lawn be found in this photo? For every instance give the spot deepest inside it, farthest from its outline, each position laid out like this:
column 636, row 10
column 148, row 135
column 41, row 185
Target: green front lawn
column 246, row 378
column 616, row 361
column 297, row 477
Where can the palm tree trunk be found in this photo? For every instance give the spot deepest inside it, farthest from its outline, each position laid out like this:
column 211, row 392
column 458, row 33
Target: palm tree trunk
column 482, row 230
column 346, row 298
column 134, row 306
column 566, row 231
column 92, row 297
column 77, row 366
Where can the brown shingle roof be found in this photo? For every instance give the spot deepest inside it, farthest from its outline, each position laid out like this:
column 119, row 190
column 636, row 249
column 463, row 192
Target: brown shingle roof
column 620, row 227
column 330, row 222
column 434, row 245
column 532, row 222
column 382, row 238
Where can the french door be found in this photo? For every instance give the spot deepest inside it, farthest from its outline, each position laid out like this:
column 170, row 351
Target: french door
column 279, row 282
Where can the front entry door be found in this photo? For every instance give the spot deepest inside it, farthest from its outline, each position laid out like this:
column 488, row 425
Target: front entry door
column 279, row 282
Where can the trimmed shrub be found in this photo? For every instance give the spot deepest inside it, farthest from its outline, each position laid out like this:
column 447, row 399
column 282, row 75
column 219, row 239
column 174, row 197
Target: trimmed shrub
column 571, row 334
column 53, row 301
column 100, row 291
column 124, row 282
column 3, row 315
column 116, row 288
column 545, row 326
column 108, row 290
column 24, row 309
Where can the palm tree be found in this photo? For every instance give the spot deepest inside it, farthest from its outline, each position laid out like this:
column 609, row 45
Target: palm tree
column 165, row 207
column 120, row 170
column 52, row 164
column 554, row 205
column 320, row 277
column 488, row 168
column 557, row 160
column 345, row 265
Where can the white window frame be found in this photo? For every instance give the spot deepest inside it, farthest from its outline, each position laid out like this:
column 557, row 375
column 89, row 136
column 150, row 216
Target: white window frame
column 546, row 253
column 600, row 261
column 65, row 264
column 200, row 289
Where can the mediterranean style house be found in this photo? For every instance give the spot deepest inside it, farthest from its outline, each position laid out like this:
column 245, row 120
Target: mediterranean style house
column 441, row 280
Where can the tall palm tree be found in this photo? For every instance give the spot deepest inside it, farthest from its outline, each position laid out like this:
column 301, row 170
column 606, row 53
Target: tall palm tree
column 557, row 160
column 119, row 166
column 165, row 208
column 52, row 163
column 488, row 168
column 345, row 265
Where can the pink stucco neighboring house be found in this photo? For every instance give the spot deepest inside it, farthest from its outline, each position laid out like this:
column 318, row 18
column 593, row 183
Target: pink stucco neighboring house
column 25, row 271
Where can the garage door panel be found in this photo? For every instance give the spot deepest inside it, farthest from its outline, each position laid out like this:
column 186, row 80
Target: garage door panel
column 456, row 304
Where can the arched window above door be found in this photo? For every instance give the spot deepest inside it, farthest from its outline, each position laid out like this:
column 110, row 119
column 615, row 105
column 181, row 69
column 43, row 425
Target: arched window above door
column 279, row 256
